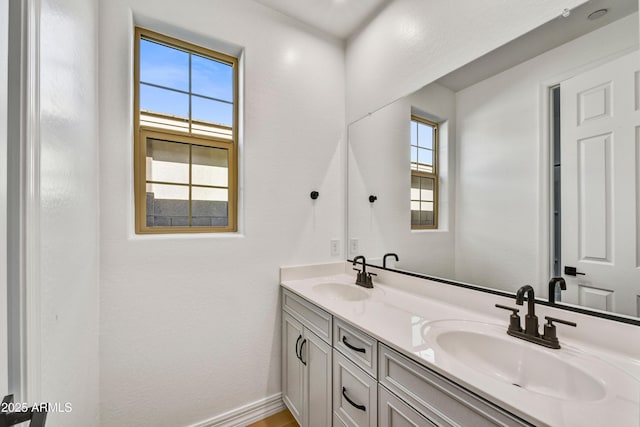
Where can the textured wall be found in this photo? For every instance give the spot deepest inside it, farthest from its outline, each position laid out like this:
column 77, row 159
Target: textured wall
column 190, row 324
column 69, row 209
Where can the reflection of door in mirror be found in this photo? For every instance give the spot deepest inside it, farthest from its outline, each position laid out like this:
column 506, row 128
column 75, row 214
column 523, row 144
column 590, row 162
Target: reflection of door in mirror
column 600, row 137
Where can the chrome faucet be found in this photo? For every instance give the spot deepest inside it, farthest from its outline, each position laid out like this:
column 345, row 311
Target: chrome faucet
column 363, row 278
column 530, row 333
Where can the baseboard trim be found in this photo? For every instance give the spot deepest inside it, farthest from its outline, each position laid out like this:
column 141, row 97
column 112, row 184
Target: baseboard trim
column 247, row 414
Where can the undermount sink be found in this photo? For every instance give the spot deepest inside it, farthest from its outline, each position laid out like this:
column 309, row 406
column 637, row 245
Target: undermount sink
column 341, row 291
column 488, row 349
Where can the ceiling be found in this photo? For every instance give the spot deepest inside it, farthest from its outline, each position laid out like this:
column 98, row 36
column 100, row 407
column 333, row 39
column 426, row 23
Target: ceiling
column 546, row 37
column 339, row 18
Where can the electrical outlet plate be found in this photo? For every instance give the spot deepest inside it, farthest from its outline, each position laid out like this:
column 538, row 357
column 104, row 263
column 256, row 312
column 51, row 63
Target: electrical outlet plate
column 335, row 247
column 353, row 246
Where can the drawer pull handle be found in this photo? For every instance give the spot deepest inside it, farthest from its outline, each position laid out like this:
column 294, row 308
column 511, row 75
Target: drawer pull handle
column 301, row 347
column 359, row 350
column 355, row 405
column 298, row 342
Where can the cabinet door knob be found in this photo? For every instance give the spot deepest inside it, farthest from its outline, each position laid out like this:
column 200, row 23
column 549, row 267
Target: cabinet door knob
column 355, row 405
column 359, row 350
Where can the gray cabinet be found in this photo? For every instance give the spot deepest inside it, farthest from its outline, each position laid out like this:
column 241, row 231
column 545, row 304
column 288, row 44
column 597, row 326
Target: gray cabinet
column 306, row 362
column 334, row 374
column 359, row 347
column 442, row 402
column 393, row 412
column 292, row 367
column 355, row 400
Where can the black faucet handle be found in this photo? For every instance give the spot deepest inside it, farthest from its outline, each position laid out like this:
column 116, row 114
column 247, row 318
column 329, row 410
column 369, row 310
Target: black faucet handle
column 550, row 321
column 504, row 307
column 550, row 331
column 514, row 319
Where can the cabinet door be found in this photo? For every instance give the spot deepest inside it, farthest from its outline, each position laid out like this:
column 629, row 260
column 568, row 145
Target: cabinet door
column 393, row 412
column 292, row 368
column 317, row 380
column 355, row 393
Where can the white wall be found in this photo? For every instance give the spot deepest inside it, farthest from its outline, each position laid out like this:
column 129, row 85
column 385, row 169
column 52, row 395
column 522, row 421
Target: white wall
column 414, row 42
column 500, row 206
column 4, row 77
column 379, row 160
column 68, row 211
column 190, row 325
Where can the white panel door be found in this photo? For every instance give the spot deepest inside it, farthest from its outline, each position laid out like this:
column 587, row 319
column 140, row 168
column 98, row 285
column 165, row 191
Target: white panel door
column 600, row 125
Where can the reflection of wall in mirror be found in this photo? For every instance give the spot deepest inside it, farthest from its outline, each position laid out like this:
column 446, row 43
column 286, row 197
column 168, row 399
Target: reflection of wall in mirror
column 499, row 202
column 413, row 42
column 379, row 161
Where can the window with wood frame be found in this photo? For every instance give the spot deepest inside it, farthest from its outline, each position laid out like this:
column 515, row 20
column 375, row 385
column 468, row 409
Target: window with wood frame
column 186, row 138
column 424, row 173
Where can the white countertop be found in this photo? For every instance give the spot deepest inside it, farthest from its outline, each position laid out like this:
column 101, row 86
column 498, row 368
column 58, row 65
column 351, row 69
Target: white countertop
column 395, row 315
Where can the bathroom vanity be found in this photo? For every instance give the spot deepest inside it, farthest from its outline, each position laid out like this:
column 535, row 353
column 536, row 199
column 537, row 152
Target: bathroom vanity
column 416, row 352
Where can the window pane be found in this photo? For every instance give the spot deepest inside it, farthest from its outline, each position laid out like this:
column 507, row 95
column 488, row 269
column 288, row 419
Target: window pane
column 415, row 217
column 211, row 112
column 426, row 183
column 414, row 155
column 426, row 206
column 425, row 157
column 414, row 133
column 426, row 190
column 210, row 194
column 167, row 161
column 164, row 102
column 211, row 78
column 210, row 166
column 209, row 207
column 167, row 205
column 415, row 182
column 163, row 65
column 425, row 136
column 426, row 217
column 426, row 195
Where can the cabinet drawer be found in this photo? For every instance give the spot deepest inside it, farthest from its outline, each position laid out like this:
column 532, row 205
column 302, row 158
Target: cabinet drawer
column 355, row 395
column 393, row 412
column 315, row 319
column 434, row 396
column 359, row 347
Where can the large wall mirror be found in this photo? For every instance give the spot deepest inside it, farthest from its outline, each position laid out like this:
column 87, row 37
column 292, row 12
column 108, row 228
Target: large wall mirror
column 518, row 167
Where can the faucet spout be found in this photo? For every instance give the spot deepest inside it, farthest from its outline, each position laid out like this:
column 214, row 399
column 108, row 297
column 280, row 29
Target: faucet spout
column 384, row 258
column 527, row 291
column 531, row 320
column 552, row 287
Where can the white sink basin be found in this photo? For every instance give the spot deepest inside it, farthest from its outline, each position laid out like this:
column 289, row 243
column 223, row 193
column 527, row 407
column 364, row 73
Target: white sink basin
column 488, row 349
column 341, row 291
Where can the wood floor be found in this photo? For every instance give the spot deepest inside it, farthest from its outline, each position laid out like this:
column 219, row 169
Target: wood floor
column 281, row 419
